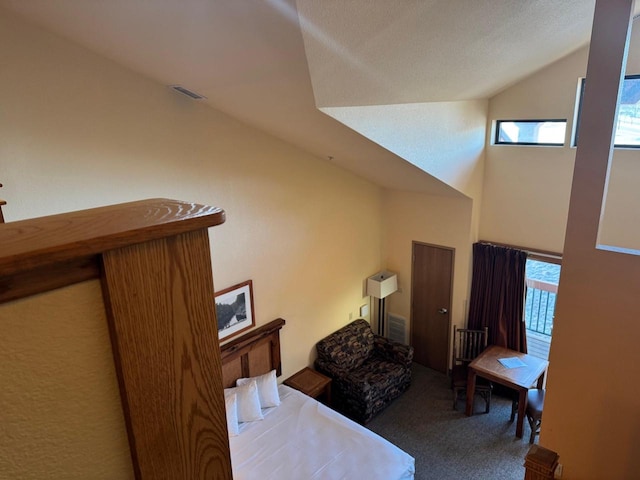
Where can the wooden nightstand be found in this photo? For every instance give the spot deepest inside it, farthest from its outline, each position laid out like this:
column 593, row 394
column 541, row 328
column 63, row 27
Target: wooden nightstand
column 311, row 383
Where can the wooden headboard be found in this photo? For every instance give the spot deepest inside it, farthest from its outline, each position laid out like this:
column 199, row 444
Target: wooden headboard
column 252, row 354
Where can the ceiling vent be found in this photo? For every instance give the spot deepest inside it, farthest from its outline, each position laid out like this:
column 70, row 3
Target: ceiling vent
column 188, row 93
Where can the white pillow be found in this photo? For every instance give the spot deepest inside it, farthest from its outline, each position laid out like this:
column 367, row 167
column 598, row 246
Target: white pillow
column 267, row 388
column 248, row 402
column 231, row 405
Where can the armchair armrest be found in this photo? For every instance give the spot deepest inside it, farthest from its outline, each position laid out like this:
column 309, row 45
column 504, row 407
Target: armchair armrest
column 329, row 368
column 393, row 351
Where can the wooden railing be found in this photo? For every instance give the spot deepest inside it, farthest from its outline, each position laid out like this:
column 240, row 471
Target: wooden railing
column 540, row 306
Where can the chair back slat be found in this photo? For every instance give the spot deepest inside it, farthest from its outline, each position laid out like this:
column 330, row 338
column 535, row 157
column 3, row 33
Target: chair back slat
column 468, row 343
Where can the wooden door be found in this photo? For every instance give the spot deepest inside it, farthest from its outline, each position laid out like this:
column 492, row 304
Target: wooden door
column 431, row 287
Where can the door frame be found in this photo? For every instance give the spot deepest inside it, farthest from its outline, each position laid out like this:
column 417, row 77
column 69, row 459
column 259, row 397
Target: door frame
column 450, row 307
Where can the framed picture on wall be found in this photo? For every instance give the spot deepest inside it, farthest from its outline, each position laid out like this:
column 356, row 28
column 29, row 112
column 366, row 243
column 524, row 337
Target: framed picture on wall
column 234, row 309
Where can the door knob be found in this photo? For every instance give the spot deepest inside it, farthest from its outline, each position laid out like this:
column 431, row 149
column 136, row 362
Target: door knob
column 443, row 311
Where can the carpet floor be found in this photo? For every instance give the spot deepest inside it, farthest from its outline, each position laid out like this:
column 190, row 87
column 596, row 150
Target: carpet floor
column 447, row 444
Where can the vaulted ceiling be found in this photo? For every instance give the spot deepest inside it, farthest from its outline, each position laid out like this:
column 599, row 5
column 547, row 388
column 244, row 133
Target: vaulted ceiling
column 274, row 63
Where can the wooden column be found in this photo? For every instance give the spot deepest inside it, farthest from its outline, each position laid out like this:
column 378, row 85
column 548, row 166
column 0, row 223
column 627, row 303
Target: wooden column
column 597, row 307
column 153, row 259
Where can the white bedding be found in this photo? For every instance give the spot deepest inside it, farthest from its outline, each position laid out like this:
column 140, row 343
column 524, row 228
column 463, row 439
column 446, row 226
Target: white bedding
column 303, row 439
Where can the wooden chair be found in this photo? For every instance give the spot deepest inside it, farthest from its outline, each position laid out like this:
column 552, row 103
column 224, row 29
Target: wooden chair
column 535, row 402
column 467, row 345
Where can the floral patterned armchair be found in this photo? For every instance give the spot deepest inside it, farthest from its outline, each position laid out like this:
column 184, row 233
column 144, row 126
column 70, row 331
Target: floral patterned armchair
column 368, row 371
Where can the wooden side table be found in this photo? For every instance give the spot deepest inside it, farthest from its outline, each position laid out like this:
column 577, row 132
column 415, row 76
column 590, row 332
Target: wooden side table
column 311, row 383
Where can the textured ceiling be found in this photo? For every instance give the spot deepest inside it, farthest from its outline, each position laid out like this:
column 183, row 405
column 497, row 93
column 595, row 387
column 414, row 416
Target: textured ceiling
column 388, row 52
column 252, row 59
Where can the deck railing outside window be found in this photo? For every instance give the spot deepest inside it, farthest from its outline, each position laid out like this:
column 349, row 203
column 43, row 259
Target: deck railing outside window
column 540, row 306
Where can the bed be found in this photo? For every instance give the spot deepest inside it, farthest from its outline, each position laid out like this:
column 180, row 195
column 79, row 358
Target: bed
column 300, row 438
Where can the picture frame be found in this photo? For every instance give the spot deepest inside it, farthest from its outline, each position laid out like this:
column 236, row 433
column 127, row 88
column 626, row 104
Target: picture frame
column 234, row 310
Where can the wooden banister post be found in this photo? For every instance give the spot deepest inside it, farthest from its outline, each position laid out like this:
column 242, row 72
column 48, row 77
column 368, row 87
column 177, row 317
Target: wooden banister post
column 540, row 463
column 153, row 259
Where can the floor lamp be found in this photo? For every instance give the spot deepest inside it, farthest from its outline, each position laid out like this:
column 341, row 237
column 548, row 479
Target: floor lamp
column 380, row 286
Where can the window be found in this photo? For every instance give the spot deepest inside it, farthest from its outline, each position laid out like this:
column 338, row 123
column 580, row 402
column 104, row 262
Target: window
column 530, row 132
column 628, row 123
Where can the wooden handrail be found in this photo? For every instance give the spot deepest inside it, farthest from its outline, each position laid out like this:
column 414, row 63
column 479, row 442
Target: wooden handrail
column 542, row 285
column 41, row 254
column 41, row 241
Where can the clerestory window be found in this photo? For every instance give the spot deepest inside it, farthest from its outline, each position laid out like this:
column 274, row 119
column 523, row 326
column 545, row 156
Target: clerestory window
column 628, row 123
column 530, row 132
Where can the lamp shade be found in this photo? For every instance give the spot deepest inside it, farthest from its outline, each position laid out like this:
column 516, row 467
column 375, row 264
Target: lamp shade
column 382, row 284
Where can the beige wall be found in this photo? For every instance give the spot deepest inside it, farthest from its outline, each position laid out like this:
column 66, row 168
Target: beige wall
column 590, row 414
column 79, row 131
column 526, row 188
column 442, row 221
column 620, row 226
column 445, row 139
column 61, row 413
column 591, row 409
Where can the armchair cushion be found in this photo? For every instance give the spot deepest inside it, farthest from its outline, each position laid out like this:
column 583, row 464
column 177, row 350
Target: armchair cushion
column 368, row 371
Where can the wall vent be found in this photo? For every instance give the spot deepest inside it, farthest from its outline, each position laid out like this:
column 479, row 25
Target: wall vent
column 187, row 92
column 397, row 328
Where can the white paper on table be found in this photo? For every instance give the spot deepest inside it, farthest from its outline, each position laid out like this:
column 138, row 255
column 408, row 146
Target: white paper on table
column 512, row 362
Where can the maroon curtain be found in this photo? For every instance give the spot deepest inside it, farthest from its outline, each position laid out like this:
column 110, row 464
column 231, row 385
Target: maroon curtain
column 497, row 295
